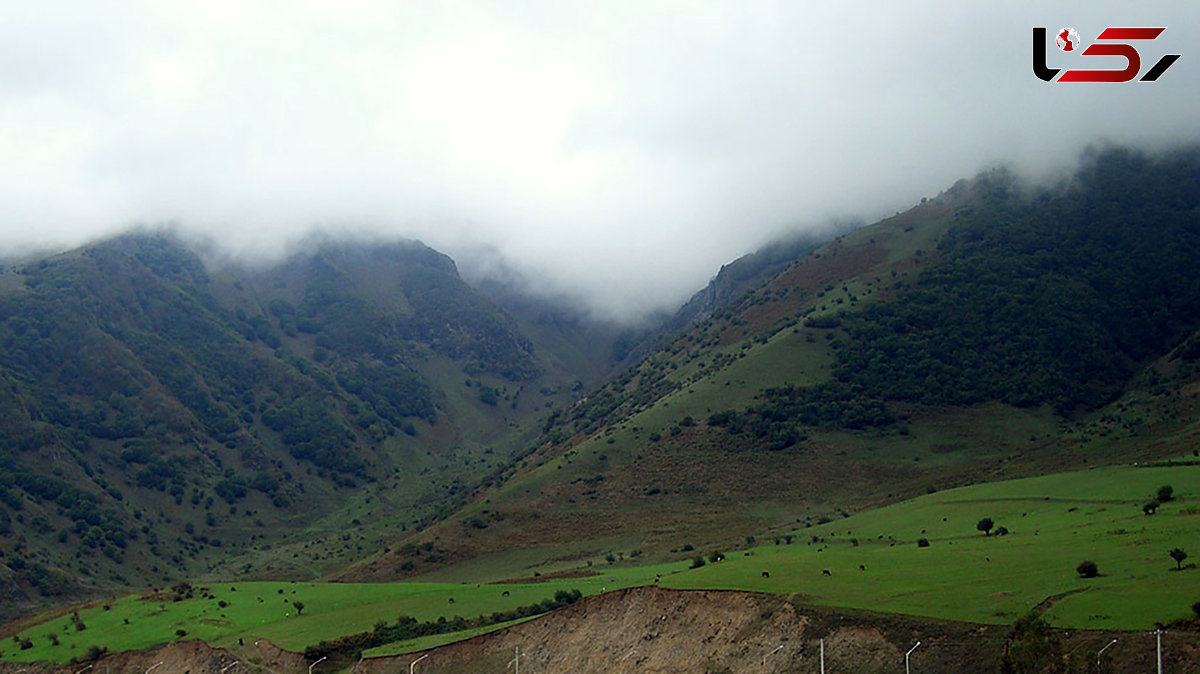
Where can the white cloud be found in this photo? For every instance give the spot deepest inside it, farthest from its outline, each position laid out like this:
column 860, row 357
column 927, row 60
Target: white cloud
column 618, row 152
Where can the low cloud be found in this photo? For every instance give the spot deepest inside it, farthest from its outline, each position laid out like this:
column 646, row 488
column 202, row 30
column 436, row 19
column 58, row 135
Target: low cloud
column 617, row 153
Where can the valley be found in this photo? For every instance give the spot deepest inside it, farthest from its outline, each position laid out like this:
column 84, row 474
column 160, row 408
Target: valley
column 197, row 447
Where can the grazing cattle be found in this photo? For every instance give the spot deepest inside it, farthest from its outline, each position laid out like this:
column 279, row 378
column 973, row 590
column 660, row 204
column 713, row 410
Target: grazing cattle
column 862, row 567
column 826, row 572
column 766, row 574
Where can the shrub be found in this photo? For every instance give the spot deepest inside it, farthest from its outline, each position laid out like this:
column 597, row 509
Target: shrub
column 1165, row 493
column 699, row 562
column 1087, row 569
column 922, row 542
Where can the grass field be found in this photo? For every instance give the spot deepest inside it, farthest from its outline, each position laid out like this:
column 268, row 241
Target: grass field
column 1055, row 522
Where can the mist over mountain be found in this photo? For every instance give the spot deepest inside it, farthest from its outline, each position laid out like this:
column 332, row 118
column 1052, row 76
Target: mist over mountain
column 616, row 154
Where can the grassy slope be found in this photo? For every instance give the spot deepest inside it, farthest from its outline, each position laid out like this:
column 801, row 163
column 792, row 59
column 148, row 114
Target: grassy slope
column 723, row 363
column 1055, row 521
column 633, row 476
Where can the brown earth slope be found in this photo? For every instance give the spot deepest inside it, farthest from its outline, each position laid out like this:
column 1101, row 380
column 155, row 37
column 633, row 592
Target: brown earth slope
column 655, row 630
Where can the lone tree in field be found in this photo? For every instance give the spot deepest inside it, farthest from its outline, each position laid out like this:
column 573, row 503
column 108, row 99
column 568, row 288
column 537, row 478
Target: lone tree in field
column 1087, row 569
column 1178, row 555
column 985, row 525
column 1165, row 493
column 299, row 607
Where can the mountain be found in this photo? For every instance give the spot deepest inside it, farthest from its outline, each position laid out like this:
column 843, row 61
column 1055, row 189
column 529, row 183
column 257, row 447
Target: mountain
column 358, row 411
column 744, row 275
column 167, row 417
column 997, row 330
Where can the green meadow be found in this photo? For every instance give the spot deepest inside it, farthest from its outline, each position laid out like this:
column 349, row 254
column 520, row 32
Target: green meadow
column 872, row 558
column 1054, row 523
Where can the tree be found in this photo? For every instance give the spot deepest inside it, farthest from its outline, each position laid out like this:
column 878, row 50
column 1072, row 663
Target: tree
column 1087, row 569
column 985, row 525
column 1033, row 646
column 299, row 607
column 699, row 562
column 1151, row 507
column 1178, row 555
column 1166, row 493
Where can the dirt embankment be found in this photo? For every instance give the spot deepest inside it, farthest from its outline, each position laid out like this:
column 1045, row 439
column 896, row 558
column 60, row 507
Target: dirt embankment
column 655, row 631
column 181, row 657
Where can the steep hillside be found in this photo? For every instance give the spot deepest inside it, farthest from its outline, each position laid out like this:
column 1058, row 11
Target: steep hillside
column 745, row 275
column 165, row 418
column 994, row 331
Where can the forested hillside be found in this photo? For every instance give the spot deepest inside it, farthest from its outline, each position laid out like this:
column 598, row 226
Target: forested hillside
column 162, row 416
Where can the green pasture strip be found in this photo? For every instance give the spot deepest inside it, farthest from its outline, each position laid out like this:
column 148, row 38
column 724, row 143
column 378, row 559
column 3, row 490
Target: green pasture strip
column 435, row 640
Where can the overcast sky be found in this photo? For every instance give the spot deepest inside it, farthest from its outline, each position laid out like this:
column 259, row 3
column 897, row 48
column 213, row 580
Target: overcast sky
column 618, row 152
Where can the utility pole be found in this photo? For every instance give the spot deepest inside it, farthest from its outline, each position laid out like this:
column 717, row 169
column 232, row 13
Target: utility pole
column 1102, row 653
column 412, row 665
column 822, row 656
column 906, row 671
column 1158, row 633
column 323, row 658
column 515, row 663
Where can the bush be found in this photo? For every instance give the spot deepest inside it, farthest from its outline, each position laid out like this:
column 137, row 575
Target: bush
column 1165, row 493
column 699, row 562
column 1087, row 569
column 922, row 542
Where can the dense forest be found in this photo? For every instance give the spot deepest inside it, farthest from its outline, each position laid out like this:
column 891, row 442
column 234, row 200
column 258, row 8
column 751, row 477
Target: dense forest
column 1043, row 296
